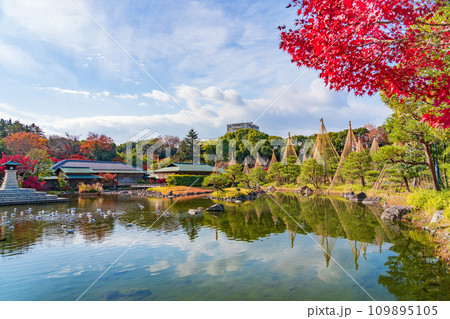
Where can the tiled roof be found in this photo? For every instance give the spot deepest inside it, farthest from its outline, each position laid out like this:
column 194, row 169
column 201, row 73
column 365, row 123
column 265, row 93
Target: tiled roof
column 83, row 177
column 77, row 170
column 99, row 166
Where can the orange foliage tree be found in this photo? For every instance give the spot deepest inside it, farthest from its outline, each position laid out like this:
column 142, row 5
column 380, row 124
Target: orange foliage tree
column 21, row 143
column 98, row 147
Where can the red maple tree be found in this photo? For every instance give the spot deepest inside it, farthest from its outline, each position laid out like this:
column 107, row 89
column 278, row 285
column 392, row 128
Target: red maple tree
column 365, row 46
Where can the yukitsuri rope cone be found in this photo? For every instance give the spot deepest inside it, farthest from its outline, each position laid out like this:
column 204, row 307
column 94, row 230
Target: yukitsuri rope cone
column 232, row 160
column 216, row 168
column 273, row 159
column 375, row 147
column 349, row 147
column 323, row 150
column 246, row 170
column 289, row 150
column 258, row 162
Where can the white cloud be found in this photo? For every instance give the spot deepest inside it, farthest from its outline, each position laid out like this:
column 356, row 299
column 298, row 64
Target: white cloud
column 143, row 104
column 93, row 95
column 126, row 96
column 158, row 95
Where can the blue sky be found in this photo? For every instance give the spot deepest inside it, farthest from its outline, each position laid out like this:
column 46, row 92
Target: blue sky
column 199, row 64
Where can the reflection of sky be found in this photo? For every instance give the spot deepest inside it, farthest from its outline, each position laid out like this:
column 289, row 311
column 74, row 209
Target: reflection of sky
column 168, row 263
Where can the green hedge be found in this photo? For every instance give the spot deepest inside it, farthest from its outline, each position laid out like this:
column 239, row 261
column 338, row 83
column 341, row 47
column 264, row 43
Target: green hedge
column 185, row 180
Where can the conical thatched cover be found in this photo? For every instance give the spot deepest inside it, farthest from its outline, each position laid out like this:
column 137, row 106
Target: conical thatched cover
column 375, row 147
column 289, row 150
column 232, row 160
column 359, row 146
column 246, row 170
column 305, row 158
column 258, row 162
column 273, row 159
column 349, row 147
column 216, row 168
column 323, row 149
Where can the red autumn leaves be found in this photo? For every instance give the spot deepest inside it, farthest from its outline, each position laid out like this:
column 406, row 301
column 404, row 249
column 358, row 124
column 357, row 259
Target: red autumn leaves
column 365, row 46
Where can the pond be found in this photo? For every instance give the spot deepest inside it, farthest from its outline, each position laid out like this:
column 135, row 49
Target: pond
column 284, row 247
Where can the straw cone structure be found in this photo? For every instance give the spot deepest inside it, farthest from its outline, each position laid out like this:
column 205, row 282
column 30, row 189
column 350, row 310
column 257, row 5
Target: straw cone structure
column 258, row 162
column 349, row 147
column 273, row 159
column 246, row 170
column 290, row 150
column 216, row 168
column 359, row 146
column 375, row 147
column 232, row 160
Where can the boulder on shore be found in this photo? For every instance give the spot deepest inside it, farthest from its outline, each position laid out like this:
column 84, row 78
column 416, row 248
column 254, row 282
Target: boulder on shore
column 439, row 215
column 271, row 188
column 357, row 198
column 216, row 208
column 308, row 191
column 396, row 212
column 371, row 200
column 347, row 195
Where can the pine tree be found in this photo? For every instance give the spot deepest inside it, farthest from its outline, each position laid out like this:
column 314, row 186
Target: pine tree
column 186, row 151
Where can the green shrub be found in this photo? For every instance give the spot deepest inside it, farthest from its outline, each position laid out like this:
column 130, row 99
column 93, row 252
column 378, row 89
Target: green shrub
column 430, row 200
column 185, row 180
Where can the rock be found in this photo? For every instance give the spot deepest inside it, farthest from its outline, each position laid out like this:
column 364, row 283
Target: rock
column 271, row 188
column 238, row 201
column 347, row 195
column 357, row 198
column 194, row 211
column 302, row 188
column 308, row 191
column 371, row 200
column 216, row 208
column 396, row 212
column 439, row 215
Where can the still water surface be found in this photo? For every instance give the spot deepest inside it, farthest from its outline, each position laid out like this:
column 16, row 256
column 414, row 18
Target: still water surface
column 254, row 251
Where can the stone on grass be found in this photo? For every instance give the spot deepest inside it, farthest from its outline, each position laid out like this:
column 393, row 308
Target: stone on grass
column 357, row 198
column 439, row 215
column 396, row 212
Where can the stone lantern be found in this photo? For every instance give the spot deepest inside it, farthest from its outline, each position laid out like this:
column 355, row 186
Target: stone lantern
column 10, row 179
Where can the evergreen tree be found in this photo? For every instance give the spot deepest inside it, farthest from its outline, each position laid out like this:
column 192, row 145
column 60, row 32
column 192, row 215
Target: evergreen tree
column 186, row 150
column 233, row 173
column 356, row 165
column 311, row 172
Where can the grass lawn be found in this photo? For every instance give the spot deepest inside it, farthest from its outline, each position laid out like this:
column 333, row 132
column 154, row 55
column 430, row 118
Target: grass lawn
column 232, row 192
column 176, row 190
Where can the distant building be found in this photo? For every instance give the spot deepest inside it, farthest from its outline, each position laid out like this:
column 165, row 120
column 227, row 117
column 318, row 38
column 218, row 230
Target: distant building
column 237, row 126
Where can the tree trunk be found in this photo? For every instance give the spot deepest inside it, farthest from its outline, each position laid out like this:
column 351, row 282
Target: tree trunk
column 363, row 183
column 406, row 184
column 430, row 164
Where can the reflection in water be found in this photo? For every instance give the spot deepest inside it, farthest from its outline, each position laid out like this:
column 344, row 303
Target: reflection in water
column 217, row 256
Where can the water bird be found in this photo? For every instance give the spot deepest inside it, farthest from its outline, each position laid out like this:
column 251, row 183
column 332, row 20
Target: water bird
column 140, row 206
column 70, row 231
